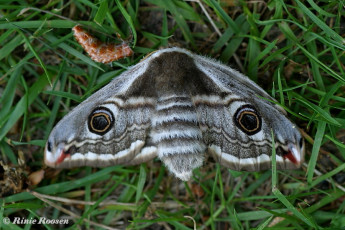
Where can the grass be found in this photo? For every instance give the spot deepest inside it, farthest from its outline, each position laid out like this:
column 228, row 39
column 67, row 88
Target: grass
column 295, row 50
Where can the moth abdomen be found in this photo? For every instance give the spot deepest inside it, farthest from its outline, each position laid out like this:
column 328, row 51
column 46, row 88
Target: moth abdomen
column 176, row 133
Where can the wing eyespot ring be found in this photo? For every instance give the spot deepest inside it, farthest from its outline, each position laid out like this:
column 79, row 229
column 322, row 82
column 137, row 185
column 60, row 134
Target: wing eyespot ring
column 248, row 119
column 100, row 120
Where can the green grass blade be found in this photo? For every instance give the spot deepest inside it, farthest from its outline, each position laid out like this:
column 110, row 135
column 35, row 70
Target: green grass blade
column 101, row 12
column 129, row 21
column 328, row 175
column 10, row 46
column 141, row 183
column 320, row 23
column 287, row 204
column 37, row 56
column 70, row 96
column 315, row 151
column 7, row 97
column 319, row 111
column 21, row 106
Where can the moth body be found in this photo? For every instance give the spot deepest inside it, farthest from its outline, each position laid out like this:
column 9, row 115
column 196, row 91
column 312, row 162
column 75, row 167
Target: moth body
column 179, row 107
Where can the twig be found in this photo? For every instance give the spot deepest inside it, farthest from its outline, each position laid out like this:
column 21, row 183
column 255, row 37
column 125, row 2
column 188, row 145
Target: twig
column 68, row 212
column 166, row 205
column 189, row 217
column 209, row 17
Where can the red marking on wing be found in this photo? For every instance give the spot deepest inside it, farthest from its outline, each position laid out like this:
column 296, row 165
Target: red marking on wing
column 291, row 157
column 99, row 51
column 62, row 157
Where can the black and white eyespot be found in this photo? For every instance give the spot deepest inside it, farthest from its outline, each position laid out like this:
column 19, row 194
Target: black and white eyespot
column 100, row 120
column 248, row 119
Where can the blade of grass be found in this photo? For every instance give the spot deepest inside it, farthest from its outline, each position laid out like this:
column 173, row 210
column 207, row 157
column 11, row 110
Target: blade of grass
column 320, row 23
column 101, row 12
column 129, row 21
column 20, row 107
column 331, row 197
column 88, row 211
column 279, row 195
column 7, row 96
column 70, row 96
column 151, row 193
column 172, row 7
column 319, row 111
column 141, row 183
column 341, row 145
column 262, row 54
column 56, row 188
column 37, row 56
column 72, row 51
column 10, row 46
column 56, row 104
column 7, row 149
column 290, row 34
column 219, row 10
column 280, row 87
column 25, row 118
column 321, row 126
column 327, row 175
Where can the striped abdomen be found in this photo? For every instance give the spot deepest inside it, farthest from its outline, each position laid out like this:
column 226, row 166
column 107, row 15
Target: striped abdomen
column 176, row 133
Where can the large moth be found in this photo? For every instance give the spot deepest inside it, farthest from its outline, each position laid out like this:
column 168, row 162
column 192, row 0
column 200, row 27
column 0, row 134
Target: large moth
column 179, row 107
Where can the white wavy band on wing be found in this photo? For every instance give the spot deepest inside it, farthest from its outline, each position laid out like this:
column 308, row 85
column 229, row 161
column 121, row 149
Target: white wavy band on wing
column 106, row 159
column 100, row 140
column 262, row 161
column 146, row 154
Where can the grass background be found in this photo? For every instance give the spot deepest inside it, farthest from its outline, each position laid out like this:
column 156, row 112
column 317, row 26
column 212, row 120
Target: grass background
column 293, row 49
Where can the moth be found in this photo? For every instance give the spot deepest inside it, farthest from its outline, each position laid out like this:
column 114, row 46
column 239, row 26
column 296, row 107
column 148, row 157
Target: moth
column 179, row 107
column 99, row 51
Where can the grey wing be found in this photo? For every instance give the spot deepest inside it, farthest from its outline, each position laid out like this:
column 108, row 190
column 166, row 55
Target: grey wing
column 236, row 121
column 109, row 128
